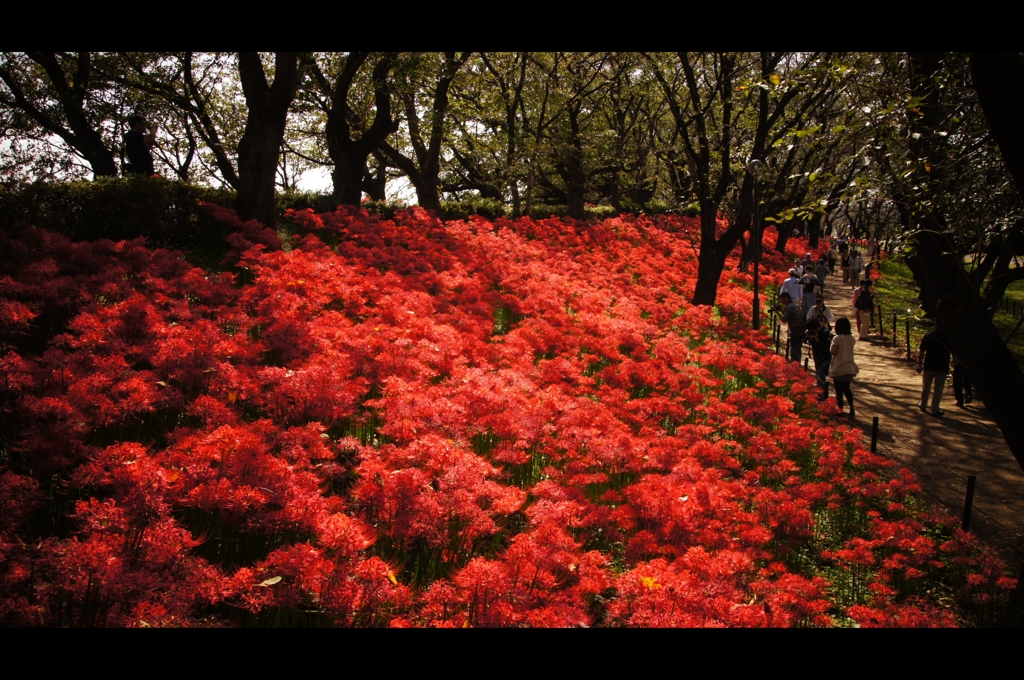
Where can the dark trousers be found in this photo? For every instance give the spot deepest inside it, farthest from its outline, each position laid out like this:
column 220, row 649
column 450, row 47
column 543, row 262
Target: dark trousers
column 962, row 385
column 843, row 388
column 821, row 364
column 795, row 347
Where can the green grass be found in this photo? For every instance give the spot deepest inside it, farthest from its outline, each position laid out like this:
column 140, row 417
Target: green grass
column 1005, row 319
column 895, row 291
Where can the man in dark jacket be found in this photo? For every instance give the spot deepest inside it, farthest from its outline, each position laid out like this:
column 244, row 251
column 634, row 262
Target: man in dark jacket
column 933, row 364
column 795, row 322
column 137, row 146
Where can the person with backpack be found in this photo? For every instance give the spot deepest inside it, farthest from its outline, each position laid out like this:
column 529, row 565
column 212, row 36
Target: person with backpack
column 843, row 368
column 863, row 305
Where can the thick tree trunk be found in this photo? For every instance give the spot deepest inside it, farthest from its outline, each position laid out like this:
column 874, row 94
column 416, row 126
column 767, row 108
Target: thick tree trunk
column 575, row 185
column 709, row 272
column 348, row 175
column 573, row 174
column 709, row 262
column 814, row 232
column 427, row 191
column 784, row 231
column 264, row 131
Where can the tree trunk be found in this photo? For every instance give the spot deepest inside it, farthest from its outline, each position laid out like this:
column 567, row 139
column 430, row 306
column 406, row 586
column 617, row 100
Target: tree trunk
column 264, row 131
column 814, row 232
column 709, row 263
column 575, row 179
column 347, row 175
column 784, row 231
column 347, row 154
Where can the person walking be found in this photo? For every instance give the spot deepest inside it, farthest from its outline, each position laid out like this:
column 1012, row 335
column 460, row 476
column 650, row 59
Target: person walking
column 820, row 313
column 962, row 390
column 795, row 324
column 843, row 368
column 844, row 262
column 138, row 144
column 832, row 256
column 863, row 305
column 808, row 288
column 820, row 340
column 791, row 285
column 856, row 265
column 822, row 272
column 933, row 365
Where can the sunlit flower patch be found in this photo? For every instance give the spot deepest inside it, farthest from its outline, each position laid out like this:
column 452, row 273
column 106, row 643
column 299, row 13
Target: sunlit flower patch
column 415, row 423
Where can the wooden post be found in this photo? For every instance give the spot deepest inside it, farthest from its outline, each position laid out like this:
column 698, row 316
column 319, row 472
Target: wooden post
column 908, row 338
column 881, row 327
column 968, row 502
column 874, row 434
column 894, row 328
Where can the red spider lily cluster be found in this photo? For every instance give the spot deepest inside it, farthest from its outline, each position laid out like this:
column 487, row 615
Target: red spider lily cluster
column 415, row 423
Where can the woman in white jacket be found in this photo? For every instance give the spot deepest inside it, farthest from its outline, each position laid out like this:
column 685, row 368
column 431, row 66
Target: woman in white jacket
column 843, row 368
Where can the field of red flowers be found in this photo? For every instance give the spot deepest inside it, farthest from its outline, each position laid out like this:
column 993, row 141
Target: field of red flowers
column 416, row 423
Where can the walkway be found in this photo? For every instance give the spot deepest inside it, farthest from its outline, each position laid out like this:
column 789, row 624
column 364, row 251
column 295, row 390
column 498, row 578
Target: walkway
column 941, row 451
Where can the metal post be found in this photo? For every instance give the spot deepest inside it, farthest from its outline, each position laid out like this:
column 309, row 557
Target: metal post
column 874, row 434
column 895, row 326
column 881, row 327
column 968, row 502
column 908, row 338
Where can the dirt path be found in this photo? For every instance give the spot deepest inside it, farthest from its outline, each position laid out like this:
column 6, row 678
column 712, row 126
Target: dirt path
column 941, row 451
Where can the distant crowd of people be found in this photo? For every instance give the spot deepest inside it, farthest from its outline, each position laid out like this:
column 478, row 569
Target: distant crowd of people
column 810, row 321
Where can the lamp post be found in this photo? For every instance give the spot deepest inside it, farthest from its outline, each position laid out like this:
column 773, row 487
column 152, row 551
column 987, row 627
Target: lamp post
column 754, row 168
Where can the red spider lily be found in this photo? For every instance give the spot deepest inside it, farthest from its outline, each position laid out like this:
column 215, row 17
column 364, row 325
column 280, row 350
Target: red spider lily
column 409, row 422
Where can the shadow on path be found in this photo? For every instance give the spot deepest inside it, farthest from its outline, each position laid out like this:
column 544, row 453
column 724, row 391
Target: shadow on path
column 941, row 451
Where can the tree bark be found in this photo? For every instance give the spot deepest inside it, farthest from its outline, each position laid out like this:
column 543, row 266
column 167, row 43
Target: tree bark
column 79, row 134
column 424, row 171
column 260, row 146
column 572, row 171
column 814, row 232
column 349, row 154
